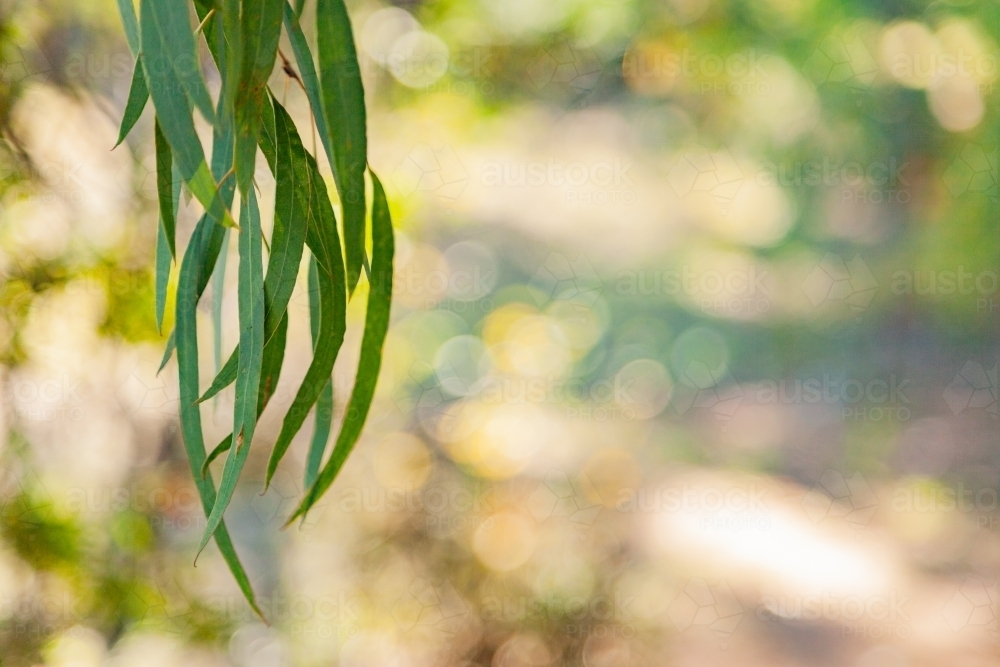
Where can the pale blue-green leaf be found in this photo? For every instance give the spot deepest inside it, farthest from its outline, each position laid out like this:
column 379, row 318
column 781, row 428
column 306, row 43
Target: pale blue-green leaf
column 131, row 24
column 218, row 288
column 260, row 31
column 324, row 242
column 175, row 49
column 344, row 105
column 372, row 341
column 163, row 260
column 196, row 268
column 307, row 72
column 324, row 405
column 168, row 352
column 274, row 355
column 251, row 311
column 173, row 106
column 138, row 94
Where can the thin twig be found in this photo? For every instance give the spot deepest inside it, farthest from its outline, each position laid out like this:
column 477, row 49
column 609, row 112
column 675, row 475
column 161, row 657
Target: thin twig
column 286, row 66
column 232, row 170
column 201, row 26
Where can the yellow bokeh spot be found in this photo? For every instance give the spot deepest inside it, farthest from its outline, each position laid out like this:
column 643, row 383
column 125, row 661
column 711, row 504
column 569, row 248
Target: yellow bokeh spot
column 505, row 541
column 402, row 460
column 608, row 476
column 908, row 52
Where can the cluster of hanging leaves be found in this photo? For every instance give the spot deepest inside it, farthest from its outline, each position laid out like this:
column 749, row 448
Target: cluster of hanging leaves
column 242, row 37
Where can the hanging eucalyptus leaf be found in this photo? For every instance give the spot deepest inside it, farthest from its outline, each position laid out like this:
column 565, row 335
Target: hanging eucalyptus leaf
column 242, row 37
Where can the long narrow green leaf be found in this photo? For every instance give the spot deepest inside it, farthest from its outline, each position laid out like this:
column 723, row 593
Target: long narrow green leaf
column 372, row 341
column 344, row 106
column 167, row 352
column 291, row 220
column 131, row 24
column 162, row 276
column 224, row 50
column 232, row 40
column 163, row 71
column 324, row 405
column 274, row 355
column 321, row 434
column 324, row 243
column 138, row 94
column 261, row 29
column 307, row 72
column 168, row 190
column 267, row 139
column 218, row 287
column 175, row 50
column 165, row 186
column 291, row 224
column 251, row 307
column 219, row 450
column 196, row 268
column 225, row 377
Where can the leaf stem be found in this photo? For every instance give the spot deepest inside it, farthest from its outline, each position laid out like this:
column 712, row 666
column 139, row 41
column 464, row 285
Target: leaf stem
column 204, row 21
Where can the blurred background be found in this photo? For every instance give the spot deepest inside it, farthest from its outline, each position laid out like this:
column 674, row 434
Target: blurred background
column 693, row 358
